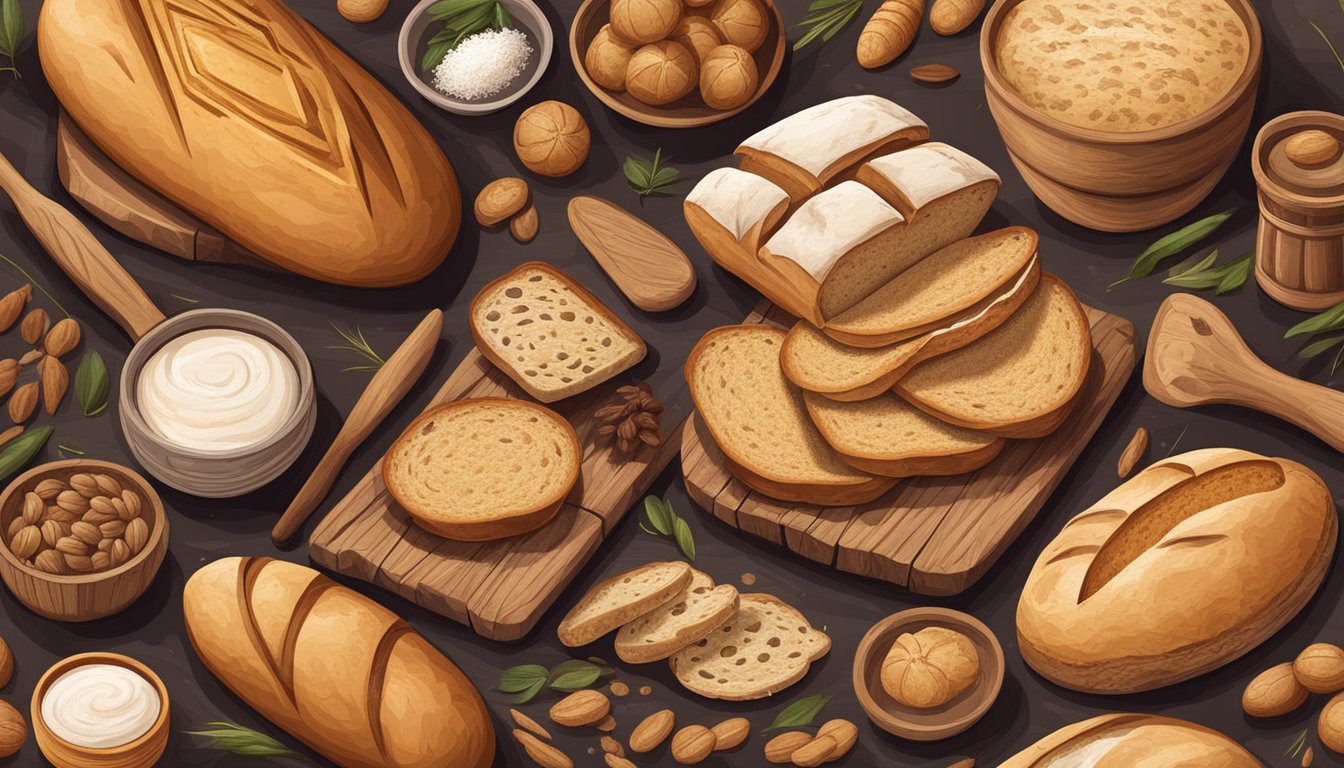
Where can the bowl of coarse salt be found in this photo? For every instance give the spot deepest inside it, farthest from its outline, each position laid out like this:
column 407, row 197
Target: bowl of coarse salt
column 487, row 69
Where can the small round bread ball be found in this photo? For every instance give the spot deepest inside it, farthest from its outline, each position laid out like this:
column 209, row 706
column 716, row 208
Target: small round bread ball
column 699, row 35
column 551, row 139
column 728, row 77
column 661, row 73
column 742, row 23
column 361, row 11
column 644, row 21
column 607, row 59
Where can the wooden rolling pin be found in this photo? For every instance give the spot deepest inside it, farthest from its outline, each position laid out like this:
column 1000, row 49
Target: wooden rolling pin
column 1196, row 357
column 387, row 387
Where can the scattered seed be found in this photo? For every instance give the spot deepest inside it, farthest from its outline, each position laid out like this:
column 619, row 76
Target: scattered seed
column 619, row 689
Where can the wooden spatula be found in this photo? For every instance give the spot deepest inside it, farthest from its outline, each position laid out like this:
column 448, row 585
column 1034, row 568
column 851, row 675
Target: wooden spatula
column 1196, row 357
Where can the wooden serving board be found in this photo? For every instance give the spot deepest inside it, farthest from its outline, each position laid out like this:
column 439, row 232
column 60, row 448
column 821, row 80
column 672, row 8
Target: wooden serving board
column 933, row 535
column 500, row 588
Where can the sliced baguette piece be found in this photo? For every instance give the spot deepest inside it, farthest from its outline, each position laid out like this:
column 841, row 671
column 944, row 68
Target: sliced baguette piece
column 1019, row 380
column 455, row 469
column 700, row 609
column 622, row 599
column 767, row 647
column 759, row 421
column 818, row 363
column 888, row 436
column 549, row 334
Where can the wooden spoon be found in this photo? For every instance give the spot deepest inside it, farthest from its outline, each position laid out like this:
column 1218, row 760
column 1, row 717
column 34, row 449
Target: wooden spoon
column 387, row 387
column 1196, row 357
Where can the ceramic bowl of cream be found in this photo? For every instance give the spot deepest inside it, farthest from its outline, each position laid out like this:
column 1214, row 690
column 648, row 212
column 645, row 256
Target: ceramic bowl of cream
column 100, row 710
column 217, row 402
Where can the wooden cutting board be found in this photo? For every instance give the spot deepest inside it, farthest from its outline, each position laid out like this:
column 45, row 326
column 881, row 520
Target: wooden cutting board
column 933, row 535
column 500, row 589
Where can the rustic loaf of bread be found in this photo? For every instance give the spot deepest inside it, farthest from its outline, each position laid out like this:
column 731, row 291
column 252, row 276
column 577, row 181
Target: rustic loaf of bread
column 336, row 670
column 1134, row 741
column 250, row 120
column 1188, row 565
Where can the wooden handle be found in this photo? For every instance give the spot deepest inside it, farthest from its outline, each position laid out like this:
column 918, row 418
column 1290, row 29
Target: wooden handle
column 72, row 246
column 1196, row 357
column 387, row 387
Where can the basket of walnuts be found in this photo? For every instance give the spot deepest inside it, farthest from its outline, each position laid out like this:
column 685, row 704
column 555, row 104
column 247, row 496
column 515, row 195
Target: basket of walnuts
column 678, row 63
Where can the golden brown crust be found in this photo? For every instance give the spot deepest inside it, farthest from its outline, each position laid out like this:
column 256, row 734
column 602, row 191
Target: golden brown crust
column 1145, row 741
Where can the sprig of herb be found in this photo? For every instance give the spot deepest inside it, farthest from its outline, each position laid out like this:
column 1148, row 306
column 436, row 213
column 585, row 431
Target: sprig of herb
column 650, row 178
column 186, row 299
column 1200, row 273
column 355, row 342
column 1172, row 244
column 1296, row 748
column 92, row 383
column 29, row 277
column 825, row 19
column 245, row 742
column 16, row 454
column 799, row 714
column 527, row 680
column 11, row 33
column 461, row 19
column 667, row 522
column 63, row 448
column 1326, row 38
column 1329, row 321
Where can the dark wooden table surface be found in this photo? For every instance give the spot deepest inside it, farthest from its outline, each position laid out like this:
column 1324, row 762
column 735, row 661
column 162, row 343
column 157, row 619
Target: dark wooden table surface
column 1299, row 73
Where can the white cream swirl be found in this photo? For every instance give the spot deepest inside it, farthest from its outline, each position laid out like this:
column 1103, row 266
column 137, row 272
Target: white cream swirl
column 217, row 389
column 99, row 706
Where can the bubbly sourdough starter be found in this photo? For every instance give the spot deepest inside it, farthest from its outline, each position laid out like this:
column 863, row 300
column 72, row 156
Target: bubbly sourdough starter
column 99, row 706
column 217, row 389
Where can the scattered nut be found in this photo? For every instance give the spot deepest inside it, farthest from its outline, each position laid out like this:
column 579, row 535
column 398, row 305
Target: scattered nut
column 815, row 752
column 580, row 708
column 11, row 306
column 748, row 579
column 30, row 357
column 542, row 754
column 23, row 402
column 618, row 689
column 607, row 725
column 26, row 542
column 49, row 489
column 934, row 74
column 845, row 734
column 616, row 761
column 612, row 746
column 137, row 535
column 652, row 731
column 33, row 507
column 361, row 11
column 1138, row 445
column 13, row 730
column 6, row 663
column 35, row 325
column 780, row 749
column 1330, row 726
column 692, row 744
column 529, row 724
column 500, row 200
column 62, row 338
column 1320, row 668
column 645, row 690
column 9, row 375
column 1307, row 757
column 730, row 733
column 11, row 433
column 525, row 225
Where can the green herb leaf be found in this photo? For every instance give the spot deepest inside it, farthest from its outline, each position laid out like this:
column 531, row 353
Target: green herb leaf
column 1194, row 264
column 1331, row 319
column 1236, row 275
column 355, row 342
column 666, row 522
column 1173, row 244
column 461, row 19
column 573, row 675
column 685, row 541
column 16, row 454
column 68, row 449
column 246, row 742
column 825, row 19
column 1328, row 44
column 92, row 383
column 659, row 515
column 650, row 177
column 521, row 677
column 1298, row 743
column 800, row 713
column 1224, row 278
column 1319, row 346
column 530, row 692
column 11, row 24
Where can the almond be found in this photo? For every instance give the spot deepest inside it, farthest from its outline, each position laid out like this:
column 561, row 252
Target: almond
column 652, row 731
column 119, row 552
column 1320, row 668
column 70, row 545
column 112, row 529
column 51, row 561
column 580, row 708
column 108, row 485
column 499, row 200
column 11, row 306
column 30, row 357
column 49, row 489
column 35, row 325
column 79, row 563
column 934, row 74
column 1330, row 726
column 101, row 561
column 616, row 761
column 1138, row 445
column 542, row 754
column 33, row 507
column 55, row 380
column 15, row 525
column 1307, row 758
column 525, row 225
column 132, row 501
column 692, row 744
column 51, row 533
column 23, row 402
column 26, row 542
column 137, row 535
column 730, row 733
column 71, row 501
column 62, row 338
column 780, row 749
column 815, row 752
column 11, row 433
column 845, row 734
column 528, row 724
column 607, row 725
column 84, row 484
column 9, row 375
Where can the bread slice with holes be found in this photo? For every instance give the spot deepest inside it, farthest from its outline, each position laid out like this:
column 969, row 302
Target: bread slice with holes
column 455, row 469
column 622, row 599
column 549, row 334
column 758, row 419
column 1019, row 380
column 1186, row 566
column 767, row 647
column 699, row 610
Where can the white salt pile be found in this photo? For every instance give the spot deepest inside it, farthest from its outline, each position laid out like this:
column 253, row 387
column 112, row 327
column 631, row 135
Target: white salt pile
column 483, row 65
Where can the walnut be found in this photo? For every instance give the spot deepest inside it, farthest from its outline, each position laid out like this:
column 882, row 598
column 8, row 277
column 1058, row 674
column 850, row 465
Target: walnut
column 632, row 421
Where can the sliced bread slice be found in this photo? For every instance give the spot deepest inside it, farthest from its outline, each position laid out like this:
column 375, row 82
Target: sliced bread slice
column 455, row 469
column 888, row 436
column 701, row 609
column 818, row 363
column 549, row 334
column 759, row 421
column 622, row 599
column 1019, row 380
column 767, row 647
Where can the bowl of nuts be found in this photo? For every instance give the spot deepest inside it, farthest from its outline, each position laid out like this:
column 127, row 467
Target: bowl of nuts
column 83, row 538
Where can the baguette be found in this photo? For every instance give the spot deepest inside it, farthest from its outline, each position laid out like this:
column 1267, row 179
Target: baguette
column 336, row 670
column 1188, row 565
column 1133, row 741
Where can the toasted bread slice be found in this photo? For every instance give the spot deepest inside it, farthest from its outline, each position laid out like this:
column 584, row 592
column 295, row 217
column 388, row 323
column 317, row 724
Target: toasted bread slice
column 701, row 609
column 622, row 599
column 759, row 421
column 1021, row 379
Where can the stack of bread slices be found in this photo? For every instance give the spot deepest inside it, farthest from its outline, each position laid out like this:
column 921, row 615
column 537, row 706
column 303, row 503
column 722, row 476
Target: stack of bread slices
column 919, row 348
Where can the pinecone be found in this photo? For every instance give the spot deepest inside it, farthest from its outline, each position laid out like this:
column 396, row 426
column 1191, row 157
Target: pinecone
column 632, row 421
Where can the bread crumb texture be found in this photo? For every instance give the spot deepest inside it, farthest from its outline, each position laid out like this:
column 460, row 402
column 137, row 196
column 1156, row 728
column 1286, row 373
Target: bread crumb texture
column 1122, row 65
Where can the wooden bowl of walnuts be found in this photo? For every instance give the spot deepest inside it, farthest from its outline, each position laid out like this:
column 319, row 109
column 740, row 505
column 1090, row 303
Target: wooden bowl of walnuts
column 82, row 538
column 678, row 63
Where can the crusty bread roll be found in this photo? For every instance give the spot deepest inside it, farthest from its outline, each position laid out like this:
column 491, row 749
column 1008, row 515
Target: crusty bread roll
column 252, row 121
column 1187, row 566
column 1133, row 741
column 337, row 671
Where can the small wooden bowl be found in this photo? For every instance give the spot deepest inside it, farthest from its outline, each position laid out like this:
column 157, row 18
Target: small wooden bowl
column 83, row 596
column 938, row 722
column 141, row 753
column 1121, row 182
column 689, row 111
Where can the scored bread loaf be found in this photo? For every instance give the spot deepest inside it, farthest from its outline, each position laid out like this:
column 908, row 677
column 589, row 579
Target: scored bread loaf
column 549, row 334
column 1186, row 566
column 700, row 609
column 334, row 669
column 767, row 647
column 759, row 421
column 1134, row 741
column 622, row 599
column 1019, row 380
column 456, row 468
column 888, row 436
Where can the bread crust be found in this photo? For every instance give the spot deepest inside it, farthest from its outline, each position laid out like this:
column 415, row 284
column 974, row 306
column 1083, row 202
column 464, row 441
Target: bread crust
column 1154, row 742
column 1215, row 586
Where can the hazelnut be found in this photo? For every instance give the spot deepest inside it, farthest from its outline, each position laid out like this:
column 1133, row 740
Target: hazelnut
column 644, row 21
column 1320, row 668
column 1330, row 726
column 13, row 729
column 728, row 77
column 699, row 35
column 930, row 667
column 551, row 139
column 607, row 59
column 6, row 663
column 361, row 11
column 742, row 22
column 661, row 73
